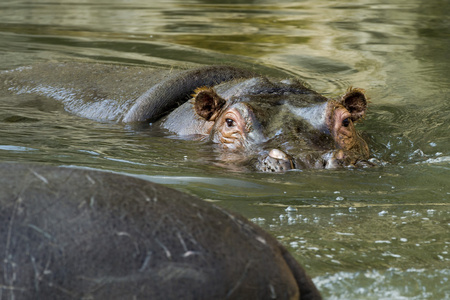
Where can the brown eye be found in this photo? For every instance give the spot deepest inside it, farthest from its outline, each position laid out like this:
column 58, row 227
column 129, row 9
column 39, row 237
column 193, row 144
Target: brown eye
column 230, row 122
column 346, row 122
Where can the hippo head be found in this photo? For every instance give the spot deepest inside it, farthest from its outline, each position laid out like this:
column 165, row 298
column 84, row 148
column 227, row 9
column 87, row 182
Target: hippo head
column 281, row 125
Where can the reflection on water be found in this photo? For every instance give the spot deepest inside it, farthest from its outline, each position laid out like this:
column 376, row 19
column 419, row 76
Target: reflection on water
column 378, row 233
column 389, row 284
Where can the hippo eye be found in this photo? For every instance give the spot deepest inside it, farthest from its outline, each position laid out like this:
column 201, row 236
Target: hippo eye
column 230, row 122
column 346, row 122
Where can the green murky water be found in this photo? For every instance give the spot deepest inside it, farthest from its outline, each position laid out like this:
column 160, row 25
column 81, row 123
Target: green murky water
column 380, row 233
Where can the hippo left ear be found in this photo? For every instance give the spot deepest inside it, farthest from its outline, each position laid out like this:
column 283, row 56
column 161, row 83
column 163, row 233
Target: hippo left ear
column 355, row 102
column 207, row 103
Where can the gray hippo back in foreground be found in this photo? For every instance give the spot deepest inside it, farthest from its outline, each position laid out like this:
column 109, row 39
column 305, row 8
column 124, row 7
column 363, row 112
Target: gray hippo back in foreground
column 270, row 124
column 81, row 234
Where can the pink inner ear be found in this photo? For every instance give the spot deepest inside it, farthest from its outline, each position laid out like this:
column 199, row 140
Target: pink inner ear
column 355, row 102
column 207, row 103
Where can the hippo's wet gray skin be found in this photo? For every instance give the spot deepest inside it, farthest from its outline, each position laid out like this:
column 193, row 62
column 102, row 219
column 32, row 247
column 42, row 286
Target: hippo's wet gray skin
column 282, row 123
column 272, row 125
column 82, row 234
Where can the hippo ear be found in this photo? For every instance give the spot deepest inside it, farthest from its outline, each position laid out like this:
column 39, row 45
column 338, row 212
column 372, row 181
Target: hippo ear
column 355, row 102
column 207, row 103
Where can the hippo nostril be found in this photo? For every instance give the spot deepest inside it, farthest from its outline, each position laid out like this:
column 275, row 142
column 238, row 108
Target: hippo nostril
column 276, row 161
column 278, row 154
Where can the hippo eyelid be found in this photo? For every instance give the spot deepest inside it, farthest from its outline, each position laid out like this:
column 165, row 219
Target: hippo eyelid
column 230, row 122
column 346, row 122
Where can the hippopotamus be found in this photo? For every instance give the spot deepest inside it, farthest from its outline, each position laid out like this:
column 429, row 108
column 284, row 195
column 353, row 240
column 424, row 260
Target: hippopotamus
column 72, row 233
column 269, row 124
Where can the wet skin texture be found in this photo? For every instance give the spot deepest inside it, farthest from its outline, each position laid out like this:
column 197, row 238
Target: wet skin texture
column 81, row 234
column 282, row 124
column 265, row 124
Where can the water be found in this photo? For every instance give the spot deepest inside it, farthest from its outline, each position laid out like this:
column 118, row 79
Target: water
column 380, row 233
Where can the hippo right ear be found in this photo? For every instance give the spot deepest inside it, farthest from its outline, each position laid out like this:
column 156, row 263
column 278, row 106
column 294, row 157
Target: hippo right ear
column 355, row 102
column 207, row 103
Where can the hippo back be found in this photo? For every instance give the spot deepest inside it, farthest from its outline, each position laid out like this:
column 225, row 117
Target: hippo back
column 118, row 93
column 71, row 233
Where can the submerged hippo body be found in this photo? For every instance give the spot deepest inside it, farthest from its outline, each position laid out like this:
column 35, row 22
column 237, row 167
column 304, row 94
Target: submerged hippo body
column 274, row 125
column 81, row 234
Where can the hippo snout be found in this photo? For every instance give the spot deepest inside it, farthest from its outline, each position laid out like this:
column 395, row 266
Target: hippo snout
column 277, row 161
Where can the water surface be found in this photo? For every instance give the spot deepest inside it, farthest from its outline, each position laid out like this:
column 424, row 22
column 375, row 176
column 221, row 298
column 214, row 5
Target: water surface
column 380, row 233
